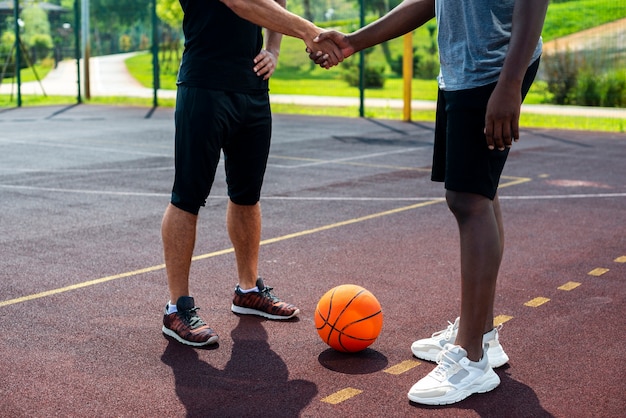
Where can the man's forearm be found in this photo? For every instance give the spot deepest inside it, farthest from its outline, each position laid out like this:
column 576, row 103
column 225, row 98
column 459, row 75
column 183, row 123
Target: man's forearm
column 273, row 39
column 272, row 16
column 407, row 16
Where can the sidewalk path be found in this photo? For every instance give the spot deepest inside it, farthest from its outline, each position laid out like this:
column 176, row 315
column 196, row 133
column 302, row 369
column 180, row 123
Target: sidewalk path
column 109, row 77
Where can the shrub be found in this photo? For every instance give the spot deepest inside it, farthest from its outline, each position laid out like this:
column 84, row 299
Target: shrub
column 373, row 75
column 126, row 43
column 40, row 44
column 561, row 72
column 613, row 89
column 587, row 90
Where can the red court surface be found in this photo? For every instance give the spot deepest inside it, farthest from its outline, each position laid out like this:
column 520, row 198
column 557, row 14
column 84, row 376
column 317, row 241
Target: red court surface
column 82, row 284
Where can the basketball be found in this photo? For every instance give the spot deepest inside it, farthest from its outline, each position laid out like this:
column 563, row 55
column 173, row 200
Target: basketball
column 348, row 318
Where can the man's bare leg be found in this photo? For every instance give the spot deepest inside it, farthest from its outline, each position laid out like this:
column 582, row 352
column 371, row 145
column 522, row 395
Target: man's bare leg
column 244, row 229
column 178, row 231
column 479, row 222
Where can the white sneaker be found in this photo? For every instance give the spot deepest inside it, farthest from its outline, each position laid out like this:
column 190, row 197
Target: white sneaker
column 454, row 379
column 429, row 348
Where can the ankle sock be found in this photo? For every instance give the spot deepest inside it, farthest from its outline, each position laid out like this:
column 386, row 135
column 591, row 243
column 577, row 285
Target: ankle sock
column 254, row 289
column 171, row 308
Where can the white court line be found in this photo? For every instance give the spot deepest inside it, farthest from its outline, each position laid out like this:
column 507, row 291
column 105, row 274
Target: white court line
column 84, row 147
column 341, row 160
column 81, row 191
column 567, row 196
column 83, row 170
column 311, row 198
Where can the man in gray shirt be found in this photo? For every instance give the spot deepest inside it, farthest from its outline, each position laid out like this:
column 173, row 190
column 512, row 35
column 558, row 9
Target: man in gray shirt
column 489, row 54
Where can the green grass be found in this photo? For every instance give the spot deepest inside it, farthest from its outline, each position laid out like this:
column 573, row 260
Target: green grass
column 574, row 16
column 40, row 70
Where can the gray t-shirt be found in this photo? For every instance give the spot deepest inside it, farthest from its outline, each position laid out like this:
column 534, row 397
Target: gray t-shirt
column 473, row 38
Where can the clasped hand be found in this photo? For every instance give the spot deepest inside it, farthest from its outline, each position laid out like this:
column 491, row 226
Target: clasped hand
column 329, row 48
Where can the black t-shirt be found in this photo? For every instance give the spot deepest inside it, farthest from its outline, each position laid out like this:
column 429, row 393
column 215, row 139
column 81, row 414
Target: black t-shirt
column 219, row 48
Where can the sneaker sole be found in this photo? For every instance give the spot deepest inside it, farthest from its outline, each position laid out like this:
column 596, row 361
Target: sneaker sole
column 488, row 383
column 248, row 311
column 178, row 338
column 496, row 355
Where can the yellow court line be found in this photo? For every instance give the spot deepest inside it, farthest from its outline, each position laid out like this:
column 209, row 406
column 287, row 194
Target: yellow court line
column 569, row 286
column 533, row 303
column 501, row 319
column 342, row 395
column 80, row 285
column 210, row 255
column 514, row 181
column 598, row 271
column 402, row 367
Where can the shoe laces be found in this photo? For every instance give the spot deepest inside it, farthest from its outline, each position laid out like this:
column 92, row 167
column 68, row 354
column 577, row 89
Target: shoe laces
column 266, row 292
column 445, row 334
column 445, row 366
column 191, row 317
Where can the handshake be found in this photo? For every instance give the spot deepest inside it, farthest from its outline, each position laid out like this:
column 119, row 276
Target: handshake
column 329, row 48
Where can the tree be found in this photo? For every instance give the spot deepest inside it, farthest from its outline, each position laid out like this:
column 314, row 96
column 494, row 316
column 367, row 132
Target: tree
column 36, row 34
column 170, row 13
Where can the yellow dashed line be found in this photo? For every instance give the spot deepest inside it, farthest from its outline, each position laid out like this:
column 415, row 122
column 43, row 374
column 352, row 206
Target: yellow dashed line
column 621, row 259
column 569, row 286
column 501, row 319
column 402, row 367
column 342, row 395
column 598, row 271
column 536, row 302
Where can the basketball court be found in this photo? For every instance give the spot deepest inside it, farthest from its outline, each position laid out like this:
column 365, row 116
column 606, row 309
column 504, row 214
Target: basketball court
column 82, row 280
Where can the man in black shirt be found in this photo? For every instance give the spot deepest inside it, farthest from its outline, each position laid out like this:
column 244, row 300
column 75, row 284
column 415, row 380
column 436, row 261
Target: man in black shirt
column 222, row 105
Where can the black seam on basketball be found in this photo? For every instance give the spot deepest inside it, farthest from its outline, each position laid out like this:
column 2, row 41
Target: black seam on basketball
column 333, row 326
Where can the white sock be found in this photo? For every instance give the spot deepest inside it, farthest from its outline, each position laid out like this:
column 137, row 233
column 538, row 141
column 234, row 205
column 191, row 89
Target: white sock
column 171, row 308
column 254, row 289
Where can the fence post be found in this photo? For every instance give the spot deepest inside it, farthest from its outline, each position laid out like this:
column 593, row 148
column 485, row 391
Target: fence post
column 77, row 23
column 18, row 53
column 86, row 46
column 407, row 75
column 362, row 66
column 156, row 83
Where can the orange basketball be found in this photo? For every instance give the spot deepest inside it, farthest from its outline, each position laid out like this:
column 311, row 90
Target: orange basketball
column 348, row 318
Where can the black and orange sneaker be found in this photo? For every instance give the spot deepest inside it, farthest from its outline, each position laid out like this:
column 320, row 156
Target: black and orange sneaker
column 185, row 326
column 262, row 303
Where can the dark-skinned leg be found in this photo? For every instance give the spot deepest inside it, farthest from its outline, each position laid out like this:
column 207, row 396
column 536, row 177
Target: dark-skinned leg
column 480, row 231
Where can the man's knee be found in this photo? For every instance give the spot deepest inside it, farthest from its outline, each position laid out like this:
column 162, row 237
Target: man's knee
column 464, row 205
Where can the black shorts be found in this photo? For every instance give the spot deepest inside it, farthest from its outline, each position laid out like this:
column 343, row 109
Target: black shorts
column 461, row 158
column 209, row 122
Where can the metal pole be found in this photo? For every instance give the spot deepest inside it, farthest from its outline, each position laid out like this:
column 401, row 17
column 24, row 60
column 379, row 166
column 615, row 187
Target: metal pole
column 77, row 23
column 18, row 53
column 86, row 46
column 155, row 55
column 362, row 67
